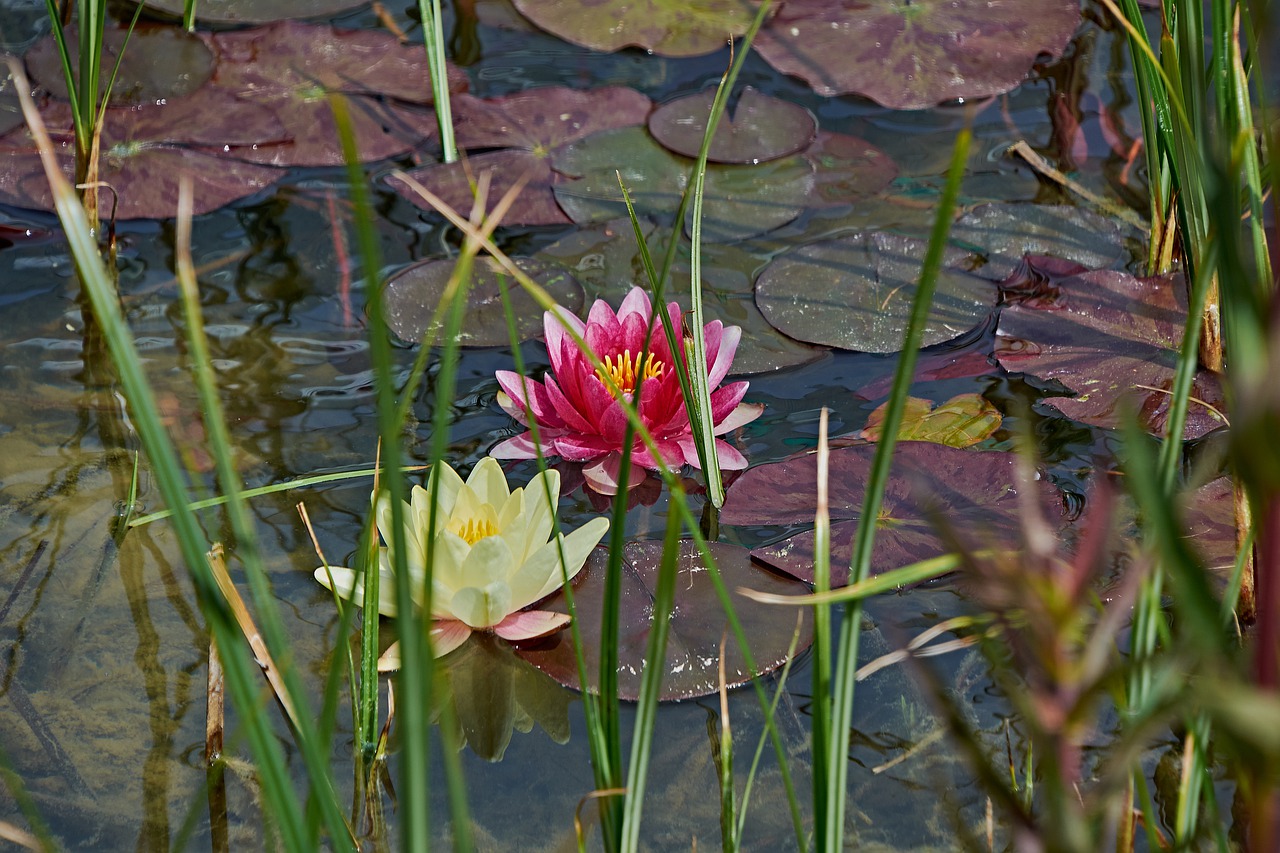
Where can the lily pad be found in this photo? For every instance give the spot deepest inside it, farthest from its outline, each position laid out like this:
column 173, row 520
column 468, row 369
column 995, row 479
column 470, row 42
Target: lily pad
column 962, row 421
column 739, row 201
column 159, row 62
column 760, row 128
column 974, row 491
column 606, row 260
column 1006, row 232
column 1108, row 336
column 911, row 55
column 855, row 292
column 847, row 168
column 1210, row 526
column 255, row 11
column 413, row 294
column 530, row 125
column 697, row 624
column 144, row 152
column 664, row 27
column 10, row 109
column 292, row 67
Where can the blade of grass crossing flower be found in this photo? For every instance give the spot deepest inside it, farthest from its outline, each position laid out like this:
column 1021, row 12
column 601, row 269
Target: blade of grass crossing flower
column 601, row 710
column 650, row 687
column 833, row 789
column 287, row 682
column 414, row 676
column 433, row 37
column 277, row 788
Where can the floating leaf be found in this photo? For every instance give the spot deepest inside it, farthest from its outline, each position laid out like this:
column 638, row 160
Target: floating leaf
column 413, row 294
column 697, row 624
column 911, row 55
column 855, row 292
column 1209, row 521
column 739, row 201
column 973, row 491
column 760, row 128
column 255, row 11
column 531, row 125
column 664, row 27
column 292, row 67
column 160, row 62
column 144, row 152
column 1006, row 232
column 962, row 421
column 1108, row 336
column 10, row 110
column 606, row 260
column 846, row 167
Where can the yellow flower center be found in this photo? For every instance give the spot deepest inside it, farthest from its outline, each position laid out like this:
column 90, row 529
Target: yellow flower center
column 625, row 368
column 476, row 529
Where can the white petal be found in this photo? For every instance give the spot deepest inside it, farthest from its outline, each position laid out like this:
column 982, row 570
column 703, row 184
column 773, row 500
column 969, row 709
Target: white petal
column 344, row 583
column 544, row 565
column 488, row 482
column 482, row 607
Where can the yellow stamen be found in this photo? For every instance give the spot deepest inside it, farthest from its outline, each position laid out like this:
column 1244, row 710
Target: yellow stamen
column 624, row 368
column 476, row 529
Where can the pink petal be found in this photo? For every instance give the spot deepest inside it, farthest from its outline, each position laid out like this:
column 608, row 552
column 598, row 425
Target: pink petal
column 521, row 390
column 745, row 413
column 579, row 447
column 529, row 624
column 636, row 302
column 517, row 447
column 553, row 329
column 574, row 420
column 602, row 476
column 723, row 354
column 725, row 399
column 447, row 635
column 730, row 458
column 602, row 315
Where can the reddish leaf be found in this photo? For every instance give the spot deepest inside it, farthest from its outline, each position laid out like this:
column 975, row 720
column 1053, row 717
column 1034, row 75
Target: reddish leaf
column 760, row 128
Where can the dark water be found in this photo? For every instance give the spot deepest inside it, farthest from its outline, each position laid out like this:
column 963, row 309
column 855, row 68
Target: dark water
column 102, row 653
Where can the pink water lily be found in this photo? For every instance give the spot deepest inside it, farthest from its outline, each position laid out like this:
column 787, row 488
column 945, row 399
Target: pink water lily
column 578, row 417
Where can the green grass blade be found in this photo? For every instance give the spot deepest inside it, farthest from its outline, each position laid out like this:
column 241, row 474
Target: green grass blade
column 433, row 38
column 830, row 832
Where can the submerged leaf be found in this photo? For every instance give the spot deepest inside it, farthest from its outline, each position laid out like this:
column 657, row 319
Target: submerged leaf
column 1004, row 233
column 973, row 492
column 855, row 292
column 697, row 624
column 255, row 11
column 911, row 55
column 962, row 421
column 413, row 294
column 1108, row 336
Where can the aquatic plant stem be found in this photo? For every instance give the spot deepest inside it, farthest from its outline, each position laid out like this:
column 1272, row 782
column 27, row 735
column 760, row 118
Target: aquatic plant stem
column 831, row 791
column 433, row 38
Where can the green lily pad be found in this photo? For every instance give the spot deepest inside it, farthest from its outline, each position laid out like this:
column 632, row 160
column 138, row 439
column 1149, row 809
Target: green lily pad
column 962, row 421
column 160, row 62
column 855, row 292
column 412, row 295
column 697, row 624
column 847, row 168
column 760, row 128
column 1004, row 233
column 975, row 492
column 664, row 27
column 255, row 11
column 606, row 261
column 739, row 201
column 911, row 54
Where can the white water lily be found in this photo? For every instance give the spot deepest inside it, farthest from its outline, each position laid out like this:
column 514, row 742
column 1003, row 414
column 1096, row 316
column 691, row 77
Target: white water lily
column 492, row 556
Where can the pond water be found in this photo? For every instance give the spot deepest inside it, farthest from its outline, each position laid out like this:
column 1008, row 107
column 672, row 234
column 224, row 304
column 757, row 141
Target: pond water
column 102, row 650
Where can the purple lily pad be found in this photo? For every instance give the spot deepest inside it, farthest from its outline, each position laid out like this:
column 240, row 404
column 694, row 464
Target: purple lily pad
column 974, row 491
column 1210, row 524
column 917, row 54
column 855, row 292
column 1004, row 233
column 697, row 624
column 412, row 296
column 847, row 168
column 529, row 125
column 664, row 27
column 145, row 150
column 1108, row 336
column 292, row 67
column 761, row 127
column 159, row 62
column 256, row 11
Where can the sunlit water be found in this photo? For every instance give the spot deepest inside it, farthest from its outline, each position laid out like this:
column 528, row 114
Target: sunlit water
column 103, row 653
